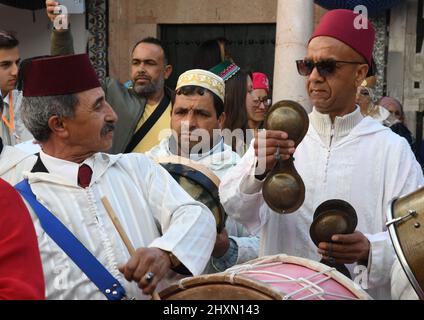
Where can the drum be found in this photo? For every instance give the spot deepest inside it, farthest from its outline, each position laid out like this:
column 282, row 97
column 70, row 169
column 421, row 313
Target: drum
column 199, row 182
column 405, row 218
column 279, row 277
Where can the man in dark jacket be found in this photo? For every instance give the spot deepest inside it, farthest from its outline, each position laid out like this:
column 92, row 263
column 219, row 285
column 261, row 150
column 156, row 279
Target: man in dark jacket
column 143, row 109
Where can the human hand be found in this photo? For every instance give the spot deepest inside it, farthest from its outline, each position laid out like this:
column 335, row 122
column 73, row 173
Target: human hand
column 269, row 146
column 146, row 261
column 222, row 244
column 60, row 21
column 346, row 249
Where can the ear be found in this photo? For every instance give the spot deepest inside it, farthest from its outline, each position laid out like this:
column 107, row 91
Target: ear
column 361, row 74
column 221, row 120
column 168, row 71
column 58, row 127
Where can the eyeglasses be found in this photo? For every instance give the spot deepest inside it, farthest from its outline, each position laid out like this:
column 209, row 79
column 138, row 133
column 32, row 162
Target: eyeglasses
column 257, row 101
column 325, row 67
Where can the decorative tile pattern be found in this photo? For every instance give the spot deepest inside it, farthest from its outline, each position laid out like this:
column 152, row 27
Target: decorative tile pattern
column 380, row 50
column 97, row 25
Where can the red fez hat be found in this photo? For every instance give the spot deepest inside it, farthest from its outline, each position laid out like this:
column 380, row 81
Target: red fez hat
column 345, row 26
column 260, row 81
column 59, row 75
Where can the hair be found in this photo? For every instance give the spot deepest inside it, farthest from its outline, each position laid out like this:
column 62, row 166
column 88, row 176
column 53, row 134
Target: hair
column 8, row 40
column 235, row 101
column 154, row 41
column 192, row 90
column 211, row 53
column 36, row 112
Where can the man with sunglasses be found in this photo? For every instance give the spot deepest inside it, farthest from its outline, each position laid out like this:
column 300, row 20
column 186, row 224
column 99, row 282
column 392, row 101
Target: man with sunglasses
column 343, row 156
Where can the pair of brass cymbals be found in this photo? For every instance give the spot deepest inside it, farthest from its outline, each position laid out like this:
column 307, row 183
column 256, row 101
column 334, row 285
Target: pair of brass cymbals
column 333, row 217
column 283, row 189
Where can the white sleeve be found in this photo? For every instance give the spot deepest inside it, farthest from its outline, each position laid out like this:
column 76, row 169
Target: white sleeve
column 188, row 227
column 241, row 195
column 401, row 287
column 403, row 175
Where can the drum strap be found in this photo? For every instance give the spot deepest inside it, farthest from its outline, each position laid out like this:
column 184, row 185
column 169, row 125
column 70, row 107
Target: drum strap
column 79, row 254
column 150, row 122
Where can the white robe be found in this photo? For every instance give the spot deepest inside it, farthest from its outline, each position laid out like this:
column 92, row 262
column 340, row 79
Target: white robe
column 151, row 206
column 20, row 132
column 401, row 287
column 219, row 160
column 367, row 167
column 13, row 162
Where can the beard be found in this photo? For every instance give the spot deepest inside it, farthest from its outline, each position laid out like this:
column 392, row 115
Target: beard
column 150, row 88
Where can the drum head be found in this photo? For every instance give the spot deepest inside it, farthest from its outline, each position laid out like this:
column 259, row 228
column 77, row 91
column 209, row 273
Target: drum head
column 199, row 182
column 279, row 277
column 219, row 287
column 405, row 218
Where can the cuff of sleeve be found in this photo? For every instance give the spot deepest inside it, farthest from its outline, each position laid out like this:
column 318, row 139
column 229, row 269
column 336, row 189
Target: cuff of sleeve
column 380, row 259
column 228, row 260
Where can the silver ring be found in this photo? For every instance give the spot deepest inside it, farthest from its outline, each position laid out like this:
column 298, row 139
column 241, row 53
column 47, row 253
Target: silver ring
column 277, row 154
column 149, row 276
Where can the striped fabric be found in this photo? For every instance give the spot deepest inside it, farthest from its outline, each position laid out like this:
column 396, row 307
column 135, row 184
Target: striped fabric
column 153, row 209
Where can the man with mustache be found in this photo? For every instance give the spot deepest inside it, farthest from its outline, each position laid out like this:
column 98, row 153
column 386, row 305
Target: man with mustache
column 343, row 156
column 196, row 121
column 67, row 112
column 144, row 108
column 11, row 128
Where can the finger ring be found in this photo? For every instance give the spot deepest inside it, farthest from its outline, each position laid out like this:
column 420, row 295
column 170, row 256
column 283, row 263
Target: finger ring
column 149, row 276
column 277, row 154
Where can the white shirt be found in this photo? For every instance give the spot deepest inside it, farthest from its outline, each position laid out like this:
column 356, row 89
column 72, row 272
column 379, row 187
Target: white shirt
column 152, row 208
column 353, row 159
column 20, row 132
column 220, row 159
column 13, row 162
column 67, row 169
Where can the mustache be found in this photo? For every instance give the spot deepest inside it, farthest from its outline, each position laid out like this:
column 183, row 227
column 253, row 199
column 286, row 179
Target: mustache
column 108, row 127
column 142, row 76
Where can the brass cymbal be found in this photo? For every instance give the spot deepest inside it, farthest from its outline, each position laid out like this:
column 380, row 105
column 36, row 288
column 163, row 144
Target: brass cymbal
column 330, row 218
column 283, row 189
column 290, row 117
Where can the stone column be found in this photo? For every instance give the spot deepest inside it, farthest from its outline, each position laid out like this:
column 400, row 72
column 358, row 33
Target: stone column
column 295, row 22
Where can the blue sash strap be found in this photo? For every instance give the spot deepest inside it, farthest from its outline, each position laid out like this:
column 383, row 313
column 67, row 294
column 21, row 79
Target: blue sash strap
column 79, row 254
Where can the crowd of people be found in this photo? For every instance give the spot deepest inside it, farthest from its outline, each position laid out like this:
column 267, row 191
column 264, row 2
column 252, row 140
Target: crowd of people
column 97, row 144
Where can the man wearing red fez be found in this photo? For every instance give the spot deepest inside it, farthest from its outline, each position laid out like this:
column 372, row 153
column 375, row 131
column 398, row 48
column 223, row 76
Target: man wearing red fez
column 64, row 107
column 344, row 156
column 21, row 275
column 144, row 108
column 257, row 102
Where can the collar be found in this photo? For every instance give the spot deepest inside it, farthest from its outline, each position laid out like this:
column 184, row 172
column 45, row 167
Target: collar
column 59, row 167
column 6, row 98
column 218, row 148
column 331, row 133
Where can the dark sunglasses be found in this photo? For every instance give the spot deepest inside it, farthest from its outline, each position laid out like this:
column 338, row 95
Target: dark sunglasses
column 325, row 67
